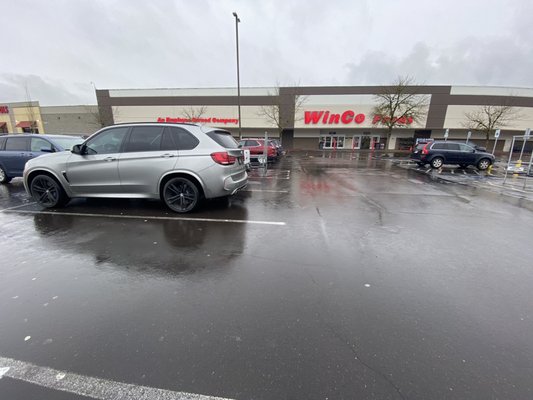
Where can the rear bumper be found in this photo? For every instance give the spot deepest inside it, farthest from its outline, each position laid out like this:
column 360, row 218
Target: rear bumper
column 234, row 183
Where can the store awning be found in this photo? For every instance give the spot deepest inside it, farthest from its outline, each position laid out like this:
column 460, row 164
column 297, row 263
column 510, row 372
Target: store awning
column 25, row 124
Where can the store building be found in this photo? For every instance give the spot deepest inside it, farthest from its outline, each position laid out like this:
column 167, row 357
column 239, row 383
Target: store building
column 21, row 117
column 71, row 120
column 329, row 117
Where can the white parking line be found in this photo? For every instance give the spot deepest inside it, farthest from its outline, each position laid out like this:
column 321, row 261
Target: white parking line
column 236, row 221
column 265, row 190
column 96, row 388
column 19, row 206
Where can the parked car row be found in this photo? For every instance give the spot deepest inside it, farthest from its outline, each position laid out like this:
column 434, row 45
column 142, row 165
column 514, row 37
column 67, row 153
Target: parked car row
column 256, row 147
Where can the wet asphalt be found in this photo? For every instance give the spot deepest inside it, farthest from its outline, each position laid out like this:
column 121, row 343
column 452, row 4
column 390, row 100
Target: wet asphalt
column 353, row 279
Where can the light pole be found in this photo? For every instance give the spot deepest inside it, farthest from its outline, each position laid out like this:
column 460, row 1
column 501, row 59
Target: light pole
column 237, row 20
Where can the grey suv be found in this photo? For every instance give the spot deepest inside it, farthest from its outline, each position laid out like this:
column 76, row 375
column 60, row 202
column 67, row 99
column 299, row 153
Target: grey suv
column 177, row 163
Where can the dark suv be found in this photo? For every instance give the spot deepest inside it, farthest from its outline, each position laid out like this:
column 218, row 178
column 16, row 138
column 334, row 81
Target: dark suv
column 16, row 150
column 439, row 153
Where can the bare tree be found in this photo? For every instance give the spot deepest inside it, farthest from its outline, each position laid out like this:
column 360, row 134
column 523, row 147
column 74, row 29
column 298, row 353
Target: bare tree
column 97, row 118
column 273, row 112
column 489, row 118
column 193, row 113
column 399, row 105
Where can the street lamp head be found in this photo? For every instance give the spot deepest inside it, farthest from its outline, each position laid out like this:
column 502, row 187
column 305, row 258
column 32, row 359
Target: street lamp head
column 236, row 16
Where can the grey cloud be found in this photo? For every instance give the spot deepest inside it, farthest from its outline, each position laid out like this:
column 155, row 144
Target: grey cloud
column 48, row 92
column 469, row 62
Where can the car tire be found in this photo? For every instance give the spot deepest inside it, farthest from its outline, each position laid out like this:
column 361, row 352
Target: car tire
column 48, row 192
column 437, row 162
column 180, row 195
column 483, row 164
column 3, row 176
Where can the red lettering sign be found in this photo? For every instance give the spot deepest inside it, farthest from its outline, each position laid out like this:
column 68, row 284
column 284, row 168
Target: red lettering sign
column 201, row 120
column 4, row 110
column 348, row 117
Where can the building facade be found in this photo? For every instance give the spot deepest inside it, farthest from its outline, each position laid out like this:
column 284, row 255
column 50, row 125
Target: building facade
column 73, row 120
column 328, row 117
column 21, row 117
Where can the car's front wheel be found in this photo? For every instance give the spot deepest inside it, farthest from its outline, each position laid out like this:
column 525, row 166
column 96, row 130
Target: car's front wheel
column 437, row 162
column 181, row 195
column 483, row 164
column 47, row 192
column 3, row 176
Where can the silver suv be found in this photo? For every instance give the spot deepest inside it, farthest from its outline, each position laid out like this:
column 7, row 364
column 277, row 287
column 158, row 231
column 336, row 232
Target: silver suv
column 177, row 163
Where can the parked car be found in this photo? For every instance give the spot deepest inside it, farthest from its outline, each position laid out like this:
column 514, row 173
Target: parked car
column 279, row 148
column 16, row 150
column 438, row 153
column 177, row 163
column 257, row 148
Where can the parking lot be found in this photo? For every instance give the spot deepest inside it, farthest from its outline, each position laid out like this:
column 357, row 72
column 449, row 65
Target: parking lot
column 332, row 276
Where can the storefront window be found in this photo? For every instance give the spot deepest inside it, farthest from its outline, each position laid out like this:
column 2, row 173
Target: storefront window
column 331, row 142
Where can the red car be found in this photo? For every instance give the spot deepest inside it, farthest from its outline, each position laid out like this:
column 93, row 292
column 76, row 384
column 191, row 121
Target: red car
column 257, row 148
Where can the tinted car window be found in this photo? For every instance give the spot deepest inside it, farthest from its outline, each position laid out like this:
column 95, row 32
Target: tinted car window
column 183, row 140
column 224, row 139
column 252, row 143
column 439, row 146
column 453, row 146
column 465, row 147
column 17, row 144
column 144, row 138
column 107, row 142
column 2, row 143
column 38, row 143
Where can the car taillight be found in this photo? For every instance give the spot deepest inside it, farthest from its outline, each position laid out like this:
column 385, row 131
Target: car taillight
column 223, row 158
column 425, row 149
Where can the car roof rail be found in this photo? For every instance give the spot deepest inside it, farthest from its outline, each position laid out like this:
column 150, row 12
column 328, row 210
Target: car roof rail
column 154, row 123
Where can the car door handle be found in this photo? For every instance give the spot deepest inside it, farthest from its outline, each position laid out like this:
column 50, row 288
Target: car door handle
column 167, row 155
column 109, row 159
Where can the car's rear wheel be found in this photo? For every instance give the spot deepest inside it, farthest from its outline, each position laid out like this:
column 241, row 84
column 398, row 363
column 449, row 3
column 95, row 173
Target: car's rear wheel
column 437, row 162
column 3, row 176
column 181, row 195
column 483, row 164
column 47, row 192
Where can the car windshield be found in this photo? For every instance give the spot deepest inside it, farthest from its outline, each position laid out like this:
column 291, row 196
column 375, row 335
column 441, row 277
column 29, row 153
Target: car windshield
column 67, row 142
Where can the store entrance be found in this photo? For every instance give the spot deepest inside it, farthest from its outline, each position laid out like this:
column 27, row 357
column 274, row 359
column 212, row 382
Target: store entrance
column 332, row 142
column 365, row 142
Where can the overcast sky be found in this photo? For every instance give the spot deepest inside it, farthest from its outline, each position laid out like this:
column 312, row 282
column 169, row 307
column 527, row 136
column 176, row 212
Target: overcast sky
column 57, row 48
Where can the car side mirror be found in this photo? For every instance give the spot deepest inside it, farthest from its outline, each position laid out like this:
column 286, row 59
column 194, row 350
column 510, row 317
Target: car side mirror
column 47, row 150
column 79, row 149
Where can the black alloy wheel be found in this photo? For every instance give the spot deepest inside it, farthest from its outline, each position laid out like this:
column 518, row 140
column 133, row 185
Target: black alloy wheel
column 47, row 192
column 181, row 195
